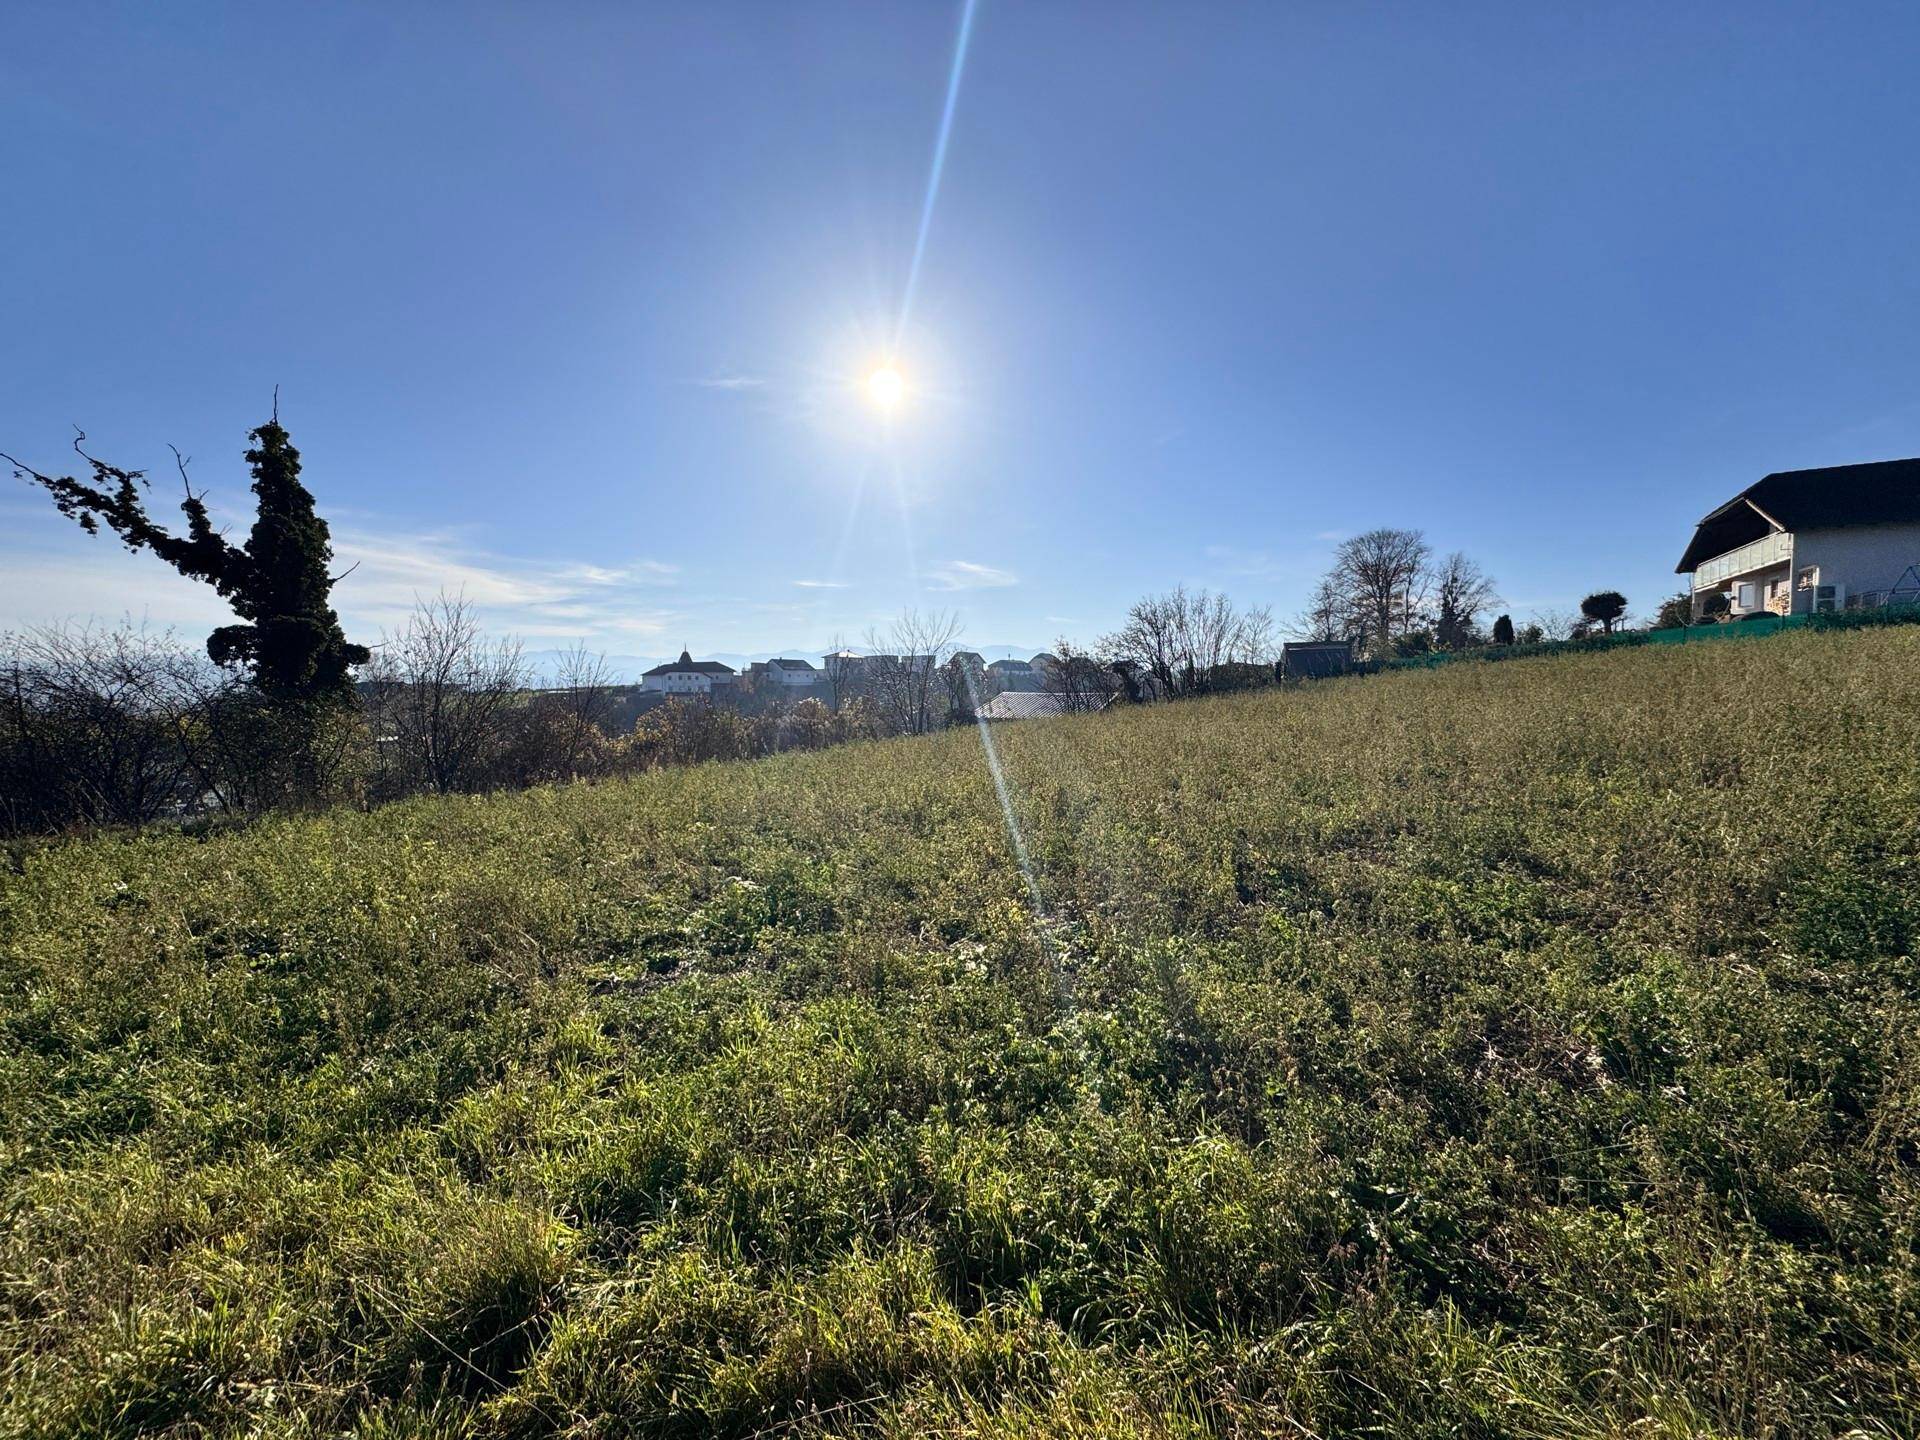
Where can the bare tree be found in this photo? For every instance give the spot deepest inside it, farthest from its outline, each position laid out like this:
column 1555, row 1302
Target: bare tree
column 1329, row 615
column 1555, row 624
column 441, row 691
column 1461, row 590
column 1082, row 681
column 907, row 677
column 582, row 692
column 838, row 666
column 1187, row 639
column 1383, row 582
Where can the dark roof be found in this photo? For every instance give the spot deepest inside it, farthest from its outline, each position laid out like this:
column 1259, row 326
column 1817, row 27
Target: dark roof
column 687, row 663
column 1010, row 664
column 791, row 664
column 1883, row 492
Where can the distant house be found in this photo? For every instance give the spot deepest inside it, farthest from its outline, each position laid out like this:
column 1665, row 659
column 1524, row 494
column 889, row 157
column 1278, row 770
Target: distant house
column 1315, row 659
column 1038, row 705
column 1809, row 540
column 794, row 674
column 1014, row 674
column 687, row 676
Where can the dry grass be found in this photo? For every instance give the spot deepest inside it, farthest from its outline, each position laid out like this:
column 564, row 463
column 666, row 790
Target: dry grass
column 1516, row 1050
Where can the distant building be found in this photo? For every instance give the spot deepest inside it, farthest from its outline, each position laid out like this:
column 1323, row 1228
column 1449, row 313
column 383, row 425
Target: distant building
column 794, row 674
column 688, row 676
column 1809, row 540
column 1315, row 659
column 1015, row 675
column 1037, row 705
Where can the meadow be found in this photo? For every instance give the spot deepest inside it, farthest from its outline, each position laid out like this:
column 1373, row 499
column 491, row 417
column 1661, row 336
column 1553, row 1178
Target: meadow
column 1504, row 1050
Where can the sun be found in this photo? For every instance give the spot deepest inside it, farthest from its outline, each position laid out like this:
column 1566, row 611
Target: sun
column 886, row 387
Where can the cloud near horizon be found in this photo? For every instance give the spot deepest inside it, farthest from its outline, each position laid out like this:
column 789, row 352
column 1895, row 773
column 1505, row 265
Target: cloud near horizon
column 63, row 576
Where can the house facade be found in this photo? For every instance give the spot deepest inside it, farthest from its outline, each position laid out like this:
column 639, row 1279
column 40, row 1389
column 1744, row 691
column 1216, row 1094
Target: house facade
column 1802, row 541
column 687, row 676
column 793, row 674
column 1014, row 675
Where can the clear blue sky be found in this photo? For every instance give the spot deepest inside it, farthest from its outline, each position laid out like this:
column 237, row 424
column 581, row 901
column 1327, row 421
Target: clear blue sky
column 569, row 304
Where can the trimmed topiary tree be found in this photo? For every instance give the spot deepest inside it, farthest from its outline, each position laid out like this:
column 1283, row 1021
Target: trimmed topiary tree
column 1604, row 608
column 289, row 640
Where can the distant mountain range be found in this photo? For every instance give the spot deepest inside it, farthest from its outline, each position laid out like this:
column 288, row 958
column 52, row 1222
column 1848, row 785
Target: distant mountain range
column 627, row 669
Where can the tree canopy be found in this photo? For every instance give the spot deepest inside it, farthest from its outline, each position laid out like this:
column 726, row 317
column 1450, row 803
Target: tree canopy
column 1604, row 608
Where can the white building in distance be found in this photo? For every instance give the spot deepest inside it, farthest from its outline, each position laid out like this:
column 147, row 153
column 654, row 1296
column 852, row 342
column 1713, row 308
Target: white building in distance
column 687, row 676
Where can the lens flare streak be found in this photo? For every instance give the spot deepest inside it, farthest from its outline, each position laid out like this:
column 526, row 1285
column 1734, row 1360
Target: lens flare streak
column 934, row 174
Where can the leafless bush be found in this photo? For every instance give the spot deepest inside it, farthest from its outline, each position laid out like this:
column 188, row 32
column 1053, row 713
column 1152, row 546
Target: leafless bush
column 1189, row 641
column 906, row 677
column 1084, row 681
column 440, row 696
column 89, row 728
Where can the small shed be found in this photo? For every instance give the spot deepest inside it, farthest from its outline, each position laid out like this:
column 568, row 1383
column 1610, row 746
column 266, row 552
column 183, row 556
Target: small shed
column 1315, row 659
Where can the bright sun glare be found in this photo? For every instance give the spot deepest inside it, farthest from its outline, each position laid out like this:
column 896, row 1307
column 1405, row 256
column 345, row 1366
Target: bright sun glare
column 885, row 387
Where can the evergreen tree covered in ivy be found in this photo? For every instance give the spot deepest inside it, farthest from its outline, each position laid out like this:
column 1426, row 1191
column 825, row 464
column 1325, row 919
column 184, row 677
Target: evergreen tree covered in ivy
column 289, row 641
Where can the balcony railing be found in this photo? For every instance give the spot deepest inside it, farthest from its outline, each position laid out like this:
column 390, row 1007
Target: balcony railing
column 1767, row 550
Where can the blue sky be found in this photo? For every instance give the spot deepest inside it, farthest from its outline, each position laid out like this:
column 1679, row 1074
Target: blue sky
column 569, row 304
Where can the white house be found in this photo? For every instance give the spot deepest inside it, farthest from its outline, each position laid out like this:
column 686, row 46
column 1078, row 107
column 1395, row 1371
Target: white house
column 687, row 676
column 795, row 674
column 1810, row 540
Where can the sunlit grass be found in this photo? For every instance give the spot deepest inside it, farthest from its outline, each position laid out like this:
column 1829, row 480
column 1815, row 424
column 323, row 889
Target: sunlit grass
column 1523, row 1049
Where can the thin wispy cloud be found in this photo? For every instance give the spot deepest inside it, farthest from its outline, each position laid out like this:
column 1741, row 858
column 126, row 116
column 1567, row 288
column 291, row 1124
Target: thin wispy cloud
column 822, row 584
column 641, row 572
column 1243, row 564
column 731, row 380
column 966, row 575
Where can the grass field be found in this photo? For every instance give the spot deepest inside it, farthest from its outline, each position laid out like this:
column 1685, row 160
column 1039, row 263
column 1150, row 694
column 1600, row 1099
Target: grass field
column 1528, row 1049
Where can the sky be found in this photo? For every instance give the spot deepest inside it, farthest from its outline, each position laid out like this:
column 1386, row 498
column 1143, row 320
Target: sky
column 571, row 306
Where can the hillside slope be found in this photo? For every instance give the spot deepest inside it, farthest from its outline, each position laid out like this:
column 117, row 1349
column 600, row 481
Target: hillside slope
column 1528, row 1049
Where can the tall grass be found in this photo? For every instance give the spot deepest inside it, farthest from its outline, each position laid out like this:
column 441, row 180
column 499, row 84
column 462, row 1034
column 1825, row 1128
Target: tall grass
column 1517, row 1050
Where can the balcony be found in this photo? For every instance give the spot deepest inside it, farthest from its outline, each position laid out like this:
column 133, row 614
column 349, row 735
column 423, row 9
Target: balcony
column 1774, row 549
